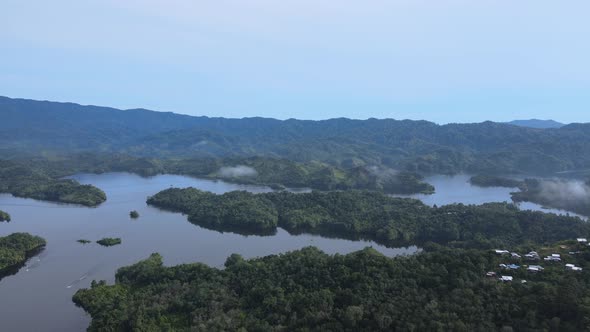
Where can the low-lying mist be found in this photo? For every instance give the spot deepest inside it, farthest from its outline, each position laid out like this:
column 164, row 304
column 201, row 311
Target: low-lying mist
column 236, row 171
column 575, row 191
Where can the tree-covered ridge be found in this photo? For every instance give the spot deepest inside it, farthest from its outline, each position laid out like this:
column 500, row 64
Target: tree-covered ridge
column 275, row 172
column 33, row 127
column 441, row 289
column 15, row 248
column 353, row 214
column 4, row 216
column 34, row 181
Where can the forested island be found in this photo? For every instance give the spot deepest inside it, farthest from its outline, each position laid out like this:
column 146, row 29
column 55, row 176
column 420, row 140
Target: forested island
column 109, row 241
column 4, row 216
column 441, row 289
column 34, row 180
column 362, row 214
column 15, row 249
column 495, row 181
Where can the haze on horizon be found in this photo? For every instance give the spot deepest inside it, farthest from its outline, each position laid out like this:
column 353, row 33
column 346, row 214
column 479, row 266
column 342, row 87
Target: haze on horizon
column 447, row 61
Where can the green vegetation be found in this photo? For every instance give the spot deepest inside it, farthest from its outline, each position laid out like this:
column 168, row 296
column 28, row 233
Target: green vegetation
column 109, row 241
column 134, row 214
column 495, row 181
column 34, row 128
column 441, row 289
column 361, row 214
column 16, row 248
column 34, row 180
column 4, row 216
column 83, row 241
column 35, row 175
column 555, row 193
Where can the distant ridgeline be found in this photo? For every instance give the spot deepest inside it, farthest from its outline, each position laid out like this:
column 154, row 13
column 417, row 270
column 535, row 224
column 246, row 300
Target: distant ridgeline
column 34, row 127
column 372, row 215
column 565, row 194
column 15, row 249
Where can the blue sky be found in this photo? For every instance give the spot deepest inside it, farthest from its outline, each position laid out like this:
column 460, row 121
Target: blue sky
column 444, row 61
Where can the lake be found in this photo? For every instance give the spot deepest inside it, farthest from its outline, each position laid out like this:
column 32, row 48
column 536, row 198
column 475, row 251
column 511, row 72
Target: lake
column 458, row 189
column 38, row 297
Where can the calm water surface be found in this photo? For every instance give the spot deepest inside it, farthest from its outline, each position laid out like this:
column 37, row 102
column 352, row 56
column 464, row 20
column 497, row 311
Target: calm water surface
column 457, row 189
column 38, row 297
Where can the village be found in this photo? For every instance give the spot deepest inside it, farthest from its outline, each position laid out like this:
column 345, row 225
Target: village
column 554, row 257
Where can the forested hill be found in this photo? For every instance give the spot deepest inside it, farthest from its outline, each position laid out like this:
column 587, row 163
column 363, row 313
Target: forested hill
column 34, row 126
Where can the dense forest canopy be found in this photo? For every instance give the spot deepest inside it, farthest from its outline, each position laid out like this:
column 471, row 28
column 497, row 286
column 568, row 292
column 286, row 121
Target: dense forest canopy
column 15, row 249
column 276, row 173
column 33, row 180
column 33, row 127
column 441, row 289
column 353, row 214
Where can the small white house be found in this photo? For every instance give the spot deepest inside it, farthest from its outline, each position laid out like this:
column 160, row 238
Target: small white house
column 506, row 278
column 502, row 252
column 582, row 240
column 535, row 268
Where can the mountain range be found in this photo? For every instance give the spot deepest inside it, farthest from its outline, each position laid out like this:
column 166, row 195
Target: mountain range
column 30, row 127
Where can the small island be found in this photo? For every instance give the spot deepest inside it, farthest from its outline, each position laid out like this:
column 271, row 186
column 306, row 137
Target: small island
column 4, row 216
column 134, row 214
column 83, row 241
column 16, row 248
column 495, row 181
column 109, row 241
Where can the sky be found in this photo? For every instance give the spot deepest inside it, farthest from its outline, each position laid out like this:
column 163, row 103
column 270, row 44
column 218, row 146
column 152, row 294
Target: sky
column 438, row 60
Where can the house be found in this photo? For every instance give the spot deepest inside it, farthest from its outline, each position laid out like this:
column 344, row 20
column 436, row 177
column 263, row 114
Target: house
column 572, row 267
column 505, row 279
column 491, row 274
column 535, row 268
column 553, row 258
column 513, row 267
column 502, row 252
column 533, row 255
column 582, row 240
column 515, row 255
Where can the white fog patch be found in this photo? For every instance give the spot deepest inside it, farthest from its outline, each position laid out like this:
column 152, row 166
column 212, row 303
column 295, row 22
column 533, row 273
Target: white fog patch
column 236, row 171
column 560, row 190
column 382, row 173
